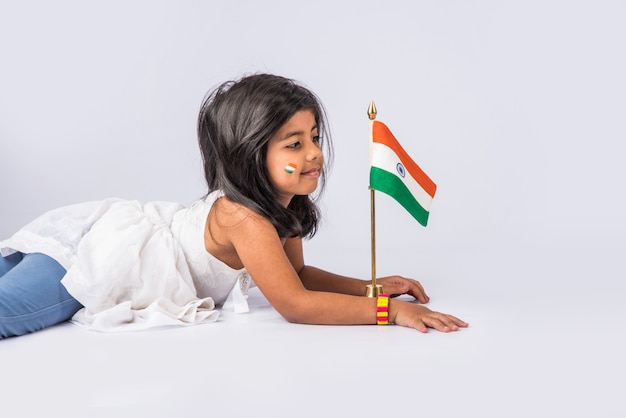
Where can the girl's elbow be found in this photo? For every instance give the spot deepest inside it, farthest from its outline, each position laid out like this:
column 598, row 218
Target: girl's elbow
column 295, row 318
column 297, row 315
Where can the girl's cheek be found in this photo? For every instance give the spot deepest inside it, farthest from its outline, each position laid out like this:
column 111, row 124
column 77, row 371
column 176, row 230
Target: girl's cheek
column 291, row 168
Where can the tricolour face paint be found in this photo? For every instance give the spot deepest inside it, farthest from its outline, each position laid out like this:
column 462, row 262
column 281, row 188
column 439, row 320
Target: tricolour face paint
column 290, row 168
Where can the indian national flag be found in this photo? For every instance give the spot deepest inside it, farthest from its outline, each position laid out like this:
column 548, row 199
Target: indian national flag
column 392, row 171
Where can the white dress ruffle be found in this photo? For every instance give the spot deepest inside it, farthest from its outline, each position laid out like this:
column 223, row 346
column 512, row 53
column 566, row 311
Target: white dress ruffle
column 135, row 266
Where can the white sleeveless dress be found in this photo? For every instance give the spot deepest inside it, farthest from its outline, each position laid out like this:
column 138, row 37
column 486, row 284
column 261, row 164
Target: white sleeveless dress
column 133, row 265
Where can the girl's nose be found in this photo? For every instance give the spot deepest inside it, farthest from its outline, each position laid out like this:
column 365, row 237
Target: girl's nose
column 314, row 152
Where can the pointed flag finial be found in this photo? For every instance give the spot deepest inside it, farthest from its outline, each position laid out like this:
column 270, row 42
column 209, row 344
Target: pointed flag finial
column 373, row 290
column 371, row 111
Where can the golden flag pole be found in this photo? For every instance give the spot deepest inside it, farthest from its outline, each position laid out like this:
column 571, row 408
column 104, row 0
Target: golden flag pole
column 373, row 290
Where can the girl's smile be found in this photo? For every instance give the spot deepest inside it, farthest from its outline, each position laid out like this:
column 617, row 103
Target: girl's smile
column 314, row 172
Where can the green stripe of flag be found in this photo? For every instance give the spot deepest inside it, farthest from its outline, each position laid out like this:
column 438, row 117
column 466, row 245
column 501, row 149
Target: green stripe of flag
column 390, row 184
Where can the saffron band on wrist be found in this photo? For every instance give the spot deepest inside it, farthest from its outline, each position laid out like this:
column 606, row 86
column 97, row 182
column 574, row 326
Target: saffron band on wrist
column 382, row 309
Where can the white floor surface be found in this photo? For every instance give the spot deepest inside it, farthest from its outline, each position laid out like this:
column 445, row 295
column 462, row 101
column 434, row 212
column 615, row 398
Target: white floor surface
column 546, row 340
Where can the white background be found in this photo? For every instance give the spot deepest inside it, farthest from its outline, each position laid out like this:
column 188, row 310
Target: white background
column 515, row 109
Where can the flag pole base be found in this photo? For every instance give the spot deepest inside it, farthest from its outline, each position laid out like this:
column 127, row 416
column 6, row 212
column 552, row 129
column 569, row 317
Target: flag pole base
column 373, row 291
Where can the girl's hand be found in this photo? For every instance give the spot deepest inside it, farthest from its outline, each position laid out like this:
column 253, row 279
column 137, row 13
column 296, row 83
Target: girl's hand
column 397, row 285
column 421, row 318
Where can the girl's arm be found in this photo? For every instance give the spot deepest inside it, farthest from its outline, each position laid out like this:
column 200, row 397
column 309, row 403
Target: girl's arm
column 314, row 278
column 261, row 251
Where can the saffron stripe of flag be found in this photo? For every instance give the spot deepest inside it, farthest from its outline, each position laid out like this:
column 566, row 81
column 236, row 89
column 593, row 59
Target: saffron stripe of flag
column 392, row 171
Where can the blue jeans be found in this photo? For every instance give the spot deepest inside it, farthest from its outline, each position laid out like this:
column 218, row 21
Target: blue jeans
column 31, row 294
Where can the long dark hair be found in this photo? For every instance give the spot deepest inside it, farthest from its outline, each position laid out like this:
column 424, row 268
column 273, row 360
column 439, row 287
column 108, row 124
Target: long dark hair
column 236, row 121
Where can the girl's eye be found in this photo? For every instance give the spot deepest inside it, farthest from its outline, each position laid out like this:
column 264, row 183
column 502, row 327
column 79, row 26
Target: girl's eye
column 295, row 145
column 316, row 139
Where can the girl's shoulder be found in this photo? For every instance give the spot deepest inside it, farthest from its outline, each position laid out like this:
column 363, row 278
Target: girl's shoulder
column 229, row 215
column 231, row 227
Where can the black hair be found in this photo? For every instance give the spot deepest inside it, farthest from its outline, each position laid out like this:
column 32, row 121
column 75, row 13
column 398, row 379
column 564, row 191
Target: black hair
column 236, row 121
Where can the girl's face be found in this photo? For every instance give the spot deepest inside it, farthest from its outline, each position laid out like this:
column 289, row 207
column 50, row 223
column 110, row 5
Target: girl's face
column 294, row 157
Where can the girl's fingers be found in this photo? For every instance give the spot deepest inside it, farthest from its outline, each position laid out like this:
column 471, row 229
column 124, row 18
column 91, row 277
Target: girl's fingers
column 420, row 326
column 421, row 318
column 396, row 286
column 439, row 325
column 418, row 292
column 444, row 323
column 458, row 321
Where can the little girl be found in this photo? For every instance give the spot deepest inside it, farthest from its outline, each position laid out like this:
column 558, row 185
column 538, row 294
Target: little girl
column 118, row 264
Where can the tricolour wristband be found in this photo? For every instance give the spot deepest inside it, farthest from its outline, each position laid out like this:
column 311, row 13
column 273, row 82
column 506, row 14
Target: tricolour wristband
column 382, row 309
